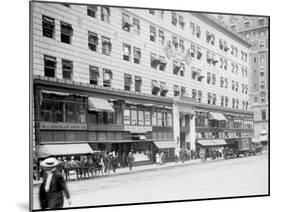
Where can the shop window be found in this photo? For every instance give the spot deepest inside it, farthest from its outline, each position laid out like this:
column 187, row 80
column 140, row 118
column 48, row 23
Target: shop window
column 93, row 41
column 58, row 112
column 208, row 78
column 105, row 14
column 192, row 28
column 46, row 111
column 107, row 77
column 126, row 24
column 138, row 83
column 194, row 94
column 152, row 33
column 48, row 25
column 126, row 52
column 199, row 99
column 154, row 119
column 161, row 36
column 134, row 117
column 70, row 112
column 81, row 113
column 92, row 11
column 137, row 55
column 147, row 118
column 181, row 21
column 159, row 118
column 106, row 46
column 127, row 82
column 176, row 90
column 66, row 32
column 67, row 69
column 136, row 26
column 198, row 31
column 174, row 18
column 49, row 66
column 94, row 75
column 169, row 119
column 127, row 117
column 141, row 117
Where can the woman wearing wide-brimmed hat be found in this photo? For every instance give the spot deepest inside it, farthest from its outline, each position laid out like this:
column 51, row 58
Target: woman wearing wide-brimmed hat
column 52, row 189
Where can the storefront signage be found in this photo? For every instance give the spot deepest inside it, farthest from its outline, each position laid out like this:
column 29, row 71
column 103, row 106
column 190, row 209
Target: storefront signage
column 62, row 126
column 106, row 127
column 178, row 56
column 138, row 129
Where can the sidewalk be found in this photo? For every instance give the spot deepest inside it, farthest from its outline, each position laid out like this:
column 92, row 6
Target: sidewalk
column 137, row 169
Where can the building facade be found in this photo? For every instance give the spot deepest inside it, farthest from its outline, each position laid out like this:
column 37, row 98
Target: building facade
column 123, row 79
column 256, row 31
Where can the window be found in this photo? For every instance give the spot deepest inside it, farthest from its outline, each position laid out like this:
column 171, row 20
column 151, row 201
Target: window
column 154, row 61
column 159, row 119
column 262, row 59
column 213, row 79
column 198, row 31
column 261, row 44
column 93, row 41
column 66, row 32
column 214, row 99
column 127, row 117
column 49, row 66
column 193, row 73
column 48, row 25
column 141, row 117
column 176, row 90
column 236, row 51
column 262, row 72
column 106, row 46
column 175, row 42
column 107, row 77
column 192, row 50
column 225, row 46
column 70, row 112
column 154, row 119
column 262, row 85
column 192, row 28
column 225, row 64
column 152, row 12
column 181, row 21
column 136, row 26
column 209, row 98
column 163, row 88
column 221, row 44
column 263, row 99
column 181, row 45
column 126, row 52
column 105, row 14
column 232, row 50
column 161, row 36
column 233, row 103
column 58, row 112
column 147, row 118
column 222, row 82
column 221, row 63
column 46, row 111
column 183, row 91
column 127, row 82
column 134, row 117
column 163, row 63
column 92, row 10
column 226, row 83
column 126, row 25
column 246, row 24
column 237, row 103
column 67, row 69
column 174, row 18
column 261, row 21
column 222, row 101
column 226, row 101
column 161, row 13
column 263, row 114
column 208, row 78
column 199, row 53
column 138, row 83
column 155, row 87
column 94, row 75
column 137, row 55
column 152, row 33
column 182, row 69
column 194, row 94
column 199, row 99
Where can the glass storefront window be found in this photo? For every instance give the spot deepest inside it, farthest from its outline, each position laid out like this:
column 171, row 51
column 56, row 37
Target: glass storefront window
column 118, row 115
column 46, row 111
column 100, row 118
column 81, row 113
column 169, row 119
column 159, row 119
column 127, row 117
column 58, row 112
column 147, row 118
column 134, row 117
column 69, row 112
column 93, row 115
column 154, row 119
column 141, row 117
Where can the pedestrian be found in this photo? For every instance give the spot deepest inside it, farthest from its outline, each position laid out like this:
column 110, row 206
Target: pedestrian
column 53, row 187
column 130, row 160
column 66, row 168
column 157, row 158
column 114, row 162
column 162, row 158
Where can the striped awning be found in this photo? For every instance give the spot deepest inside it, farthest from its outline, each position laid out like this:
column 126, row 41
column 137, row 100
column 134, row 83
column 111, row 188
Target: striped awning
column 98, row 104
column 217, row 116
column 165, row 144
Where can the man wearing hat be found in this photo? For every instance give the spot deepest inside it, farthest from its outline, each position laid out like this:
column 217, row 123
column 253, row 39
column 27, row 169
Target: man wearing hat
column 53, row 186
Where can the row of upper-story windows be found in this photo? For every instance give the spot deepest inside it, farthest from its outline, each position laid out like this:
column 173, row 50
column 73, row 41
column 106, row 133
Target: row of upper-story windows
column 92, row 11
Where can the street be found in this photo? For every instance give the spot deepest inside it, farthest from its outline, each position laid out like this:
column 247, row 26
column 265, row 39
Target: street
column 225, row 178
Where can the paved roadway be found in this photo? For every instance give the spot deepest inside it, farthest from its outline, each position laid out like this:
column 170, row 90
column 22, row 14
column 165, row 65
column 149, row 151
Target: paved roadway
column 225, row 178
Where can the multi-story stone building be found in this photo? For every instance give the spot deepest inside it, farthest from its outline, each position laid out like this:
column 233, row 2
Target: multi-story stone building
column 124, row 79
column 256, row 31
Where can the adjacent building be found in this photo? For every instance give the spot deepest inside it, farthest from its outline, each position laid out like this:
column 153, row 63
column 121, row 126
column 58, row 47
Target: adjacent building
column 121, row 79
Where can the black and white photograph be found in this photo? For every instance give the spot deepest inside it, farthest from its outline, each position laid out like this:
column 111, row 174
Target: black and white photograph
column 140, row 105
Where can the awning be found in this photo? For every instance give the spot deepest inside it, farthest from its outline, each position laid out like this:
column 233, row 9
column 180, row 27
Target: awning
column 263, row 132
column 206, row 143
column 217, row 116
column 97, row 104
column 63, row 149
column 55, row 93
column 165, row 144
column 263, row 138
column 219, row 142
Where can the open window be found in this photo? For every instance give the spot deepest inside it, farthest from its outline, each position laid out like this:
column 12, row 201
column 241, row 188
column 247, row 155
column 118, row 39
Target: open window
column 48, row 25
column 92, row 11
column 126, row 24
column 152, row 33
column 163, row 89
column 199, row 53
column 154, row 61
column 106, row 46
column 183, row 91
column 176, row 90
column 67, row 69
column 182, row 48
column 175, row 43
column 225, row 46
column 105, row 14
column 182, row 69
column 107, row 77
column 176, row 67
column 194, row 73
column 192, row 50
column 49, row 66
column 137, row 55
column 93, row 41
column 163, row 63
column 214, row 60
column 161, row 36
column 181, row 21
column 174, row 18
column 155, row 87
column 136, row 26
column 198, row 31
column 126, row 52
column 94, row 75
column 200, row 75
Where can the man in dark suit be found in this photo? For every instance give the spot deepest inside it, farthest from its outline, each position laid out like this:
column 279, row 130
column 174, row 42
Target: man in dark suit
column 52, row 189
